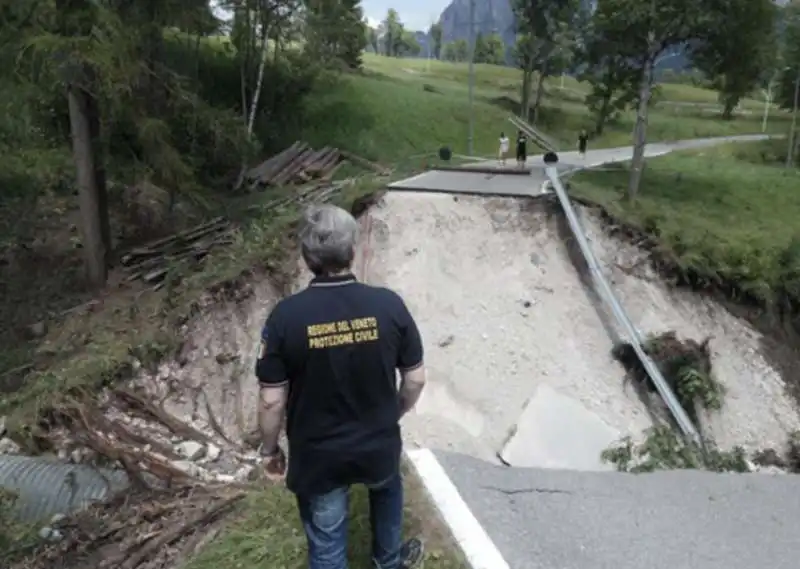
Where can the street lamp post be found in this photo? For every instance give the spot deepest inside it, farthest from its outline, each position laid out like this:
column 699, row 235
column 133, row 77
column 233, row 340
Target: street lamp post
column 471, row 76
column 793, row 130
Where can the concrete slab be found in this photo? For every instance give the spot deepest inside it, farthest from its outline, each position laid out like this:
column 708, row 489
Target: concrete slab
column 487, row 167
column 471, row 183
column 557, row 431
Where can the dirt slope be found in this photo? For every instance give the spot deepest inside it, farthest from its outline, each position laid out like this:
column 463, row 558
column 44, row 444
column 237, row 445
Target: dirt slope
column 502, row 311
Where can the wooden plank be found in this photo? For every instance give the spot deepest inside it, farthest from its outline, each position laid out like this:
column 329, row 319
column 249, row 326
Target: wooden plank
column 299, row 149
column 333, row 160
column 326, row 162
column 363, row 162
column 265, row 167
column 291, row 169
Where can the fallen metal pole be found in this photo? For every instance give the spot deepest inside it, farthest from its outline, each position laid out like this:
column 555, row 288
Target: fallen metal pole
column 674, row 406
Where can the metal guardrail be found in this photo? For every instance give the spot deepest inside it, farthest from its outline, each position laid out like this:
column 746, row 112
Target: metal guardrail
column 539, row 138
column 678, row 412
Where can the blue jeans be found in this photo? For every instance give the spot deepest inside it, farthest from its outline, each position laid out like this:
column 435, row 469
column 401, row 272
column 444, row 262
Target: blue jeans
column 324, row 519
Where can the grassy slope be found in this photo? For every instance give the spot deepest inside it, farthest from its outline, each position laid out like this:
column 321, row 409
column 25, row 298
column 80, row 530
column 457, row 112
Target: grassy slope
column 728, row 212
column 392, row 103
column 384, row 114
column 268, row 533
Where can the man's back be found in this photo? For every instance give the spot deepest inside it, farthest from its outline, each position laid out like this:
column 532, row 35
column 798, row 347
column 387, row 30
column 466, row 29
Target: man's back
column 341, row 342
column 328, row 357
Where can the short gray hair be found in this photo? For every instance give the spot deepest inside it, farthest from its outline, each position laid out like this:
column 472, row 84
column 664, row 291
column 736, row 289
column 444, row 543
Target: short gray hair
column 328, row 239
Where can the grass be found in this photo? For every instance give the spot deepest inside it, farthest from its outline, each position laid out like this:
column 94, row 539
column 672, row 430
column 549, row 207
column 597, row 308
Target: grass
column 507, row 79
column 728, row 214
column 268, row 533
column 391, row 106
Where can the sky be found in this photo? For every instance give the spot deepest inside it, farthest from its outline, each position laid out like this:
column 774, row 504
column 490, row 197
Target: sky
column 417, row 15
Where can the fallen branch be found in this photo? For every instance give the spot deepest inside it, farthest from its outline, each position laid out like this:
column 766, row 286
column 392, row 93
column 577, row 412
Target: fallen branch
column 153, row 411
column 173, row 535
column 212, row 421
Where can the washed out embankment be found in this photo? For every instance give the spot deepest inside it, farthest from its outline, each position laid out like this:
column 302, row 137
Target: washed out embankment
column 515, row 346
column 519, row 347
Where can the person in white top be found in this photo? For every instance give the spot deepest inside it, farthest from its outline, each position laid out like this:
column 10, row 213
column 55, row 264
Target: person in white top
column 503, row 148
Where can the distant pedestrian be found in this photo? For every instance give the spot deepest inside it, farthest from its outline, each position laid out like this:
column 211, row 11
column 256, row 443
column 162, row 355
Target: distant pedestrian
column 583, row 141
column 328, row 359
column 503, row 148
column 522, row 149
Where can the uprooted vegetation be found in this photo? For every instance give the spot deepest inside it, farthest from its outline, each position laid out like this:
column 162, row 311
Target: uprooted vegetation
column 686, row 367
column 664, row 449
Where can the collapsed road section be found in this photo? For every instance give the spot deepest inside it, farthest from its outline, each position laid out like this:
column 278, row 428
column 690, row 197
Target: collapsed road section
column 520, row 346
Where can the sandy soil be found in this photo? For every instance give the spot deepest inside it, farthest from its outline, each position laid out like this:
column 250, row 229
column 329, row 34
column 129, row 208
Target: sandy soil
column 217, row 364
column 502, row 310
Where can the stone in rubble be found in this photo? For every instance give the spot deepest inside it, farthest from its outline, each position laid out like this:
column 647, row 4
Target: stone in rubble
column 212, row 452
column 246, row 473
column 190, row 450
column 7, row 446
column 191, row 469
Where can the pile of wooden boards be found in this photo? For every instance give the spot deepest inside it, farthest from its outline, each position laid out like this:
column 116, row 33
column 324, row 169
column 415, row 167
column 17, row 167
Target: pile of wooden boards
column 300, row 164
column 152, row 261
column 297, row 164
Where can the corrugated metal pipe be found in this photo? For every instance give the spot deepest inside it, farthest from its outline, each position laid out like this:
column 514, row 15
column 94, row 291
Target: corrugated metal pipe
column 48, row 487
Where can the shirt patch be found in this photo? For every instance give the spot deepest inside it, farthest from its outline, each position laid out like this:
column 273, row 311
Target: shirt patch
column 262, row 350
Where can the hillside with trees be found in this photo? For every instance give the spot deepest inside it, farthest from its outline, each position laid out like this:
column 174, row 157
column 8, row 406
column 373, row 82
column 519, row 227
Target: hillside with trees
column 157, row 153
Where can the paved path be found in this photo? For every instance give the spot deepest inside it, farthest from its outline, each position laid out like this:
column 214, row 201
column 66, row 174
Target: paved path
column 558, row 519
column 569, row 162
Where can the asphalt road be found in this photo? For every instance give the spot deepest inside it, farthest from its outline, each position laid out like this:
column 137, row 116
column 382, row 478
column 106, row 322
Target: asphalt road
column 558, row 519
column 569, row 162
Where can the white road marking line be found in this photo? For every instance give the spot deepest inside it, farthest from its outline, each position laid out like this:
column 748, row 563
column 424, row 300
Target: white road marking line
column 405, row 181
column 478, row 547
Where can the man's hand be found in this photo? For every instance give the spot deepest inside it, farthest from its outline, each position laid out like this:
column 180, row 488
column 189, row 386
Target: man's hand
column 274, row 465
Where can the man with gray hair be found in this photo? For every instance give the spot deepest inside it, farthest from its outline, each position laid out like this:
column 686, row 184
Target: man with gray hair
column 329, row 356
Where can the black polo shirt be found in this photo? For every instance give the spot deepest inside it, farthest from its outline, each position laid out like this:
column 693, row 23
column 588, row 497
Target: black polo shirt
column 338, row 344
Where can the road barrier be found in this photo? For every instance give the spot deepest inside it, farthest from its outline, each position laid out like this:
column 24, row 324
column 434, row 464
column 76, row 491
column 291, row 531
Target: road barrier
column 678, row 412
column 537, row 136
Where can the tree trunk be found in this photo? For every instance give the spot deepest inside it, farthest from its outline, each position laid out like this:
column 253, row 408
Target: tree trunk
column 259, row 83
column 538, row 100
column 729, row 103
column 93, row 112
column 602, row 115
column 640, row 130
column 90, row 227
column 525, row 97
column 251, row 117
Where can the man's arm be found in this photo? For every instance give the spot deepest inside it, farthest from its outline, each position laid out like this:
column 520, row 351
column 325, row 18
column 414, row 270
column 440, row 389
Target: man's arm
column 411, row 384
column 410, row 361
column 273, row 380
column 271, row 410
